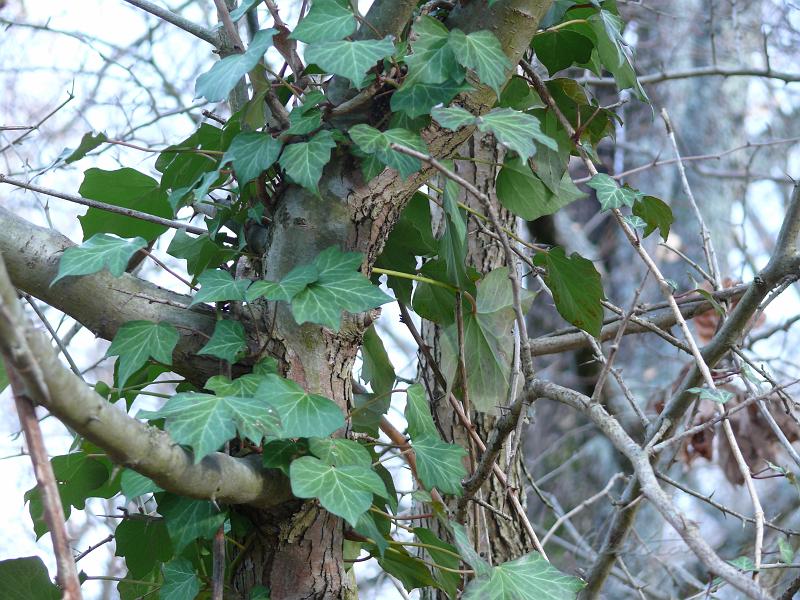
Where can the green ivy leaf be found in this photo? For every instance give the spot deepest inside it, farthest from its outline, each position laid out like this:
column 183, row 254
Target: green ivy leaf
column 339, row 452
column 215, row 84
column 373, row 141
column 433, row 60
column 439, row 464
column 25, row 579
column 719, row 396
column 786, row 551
column 415, row 98
column 304, row 161
column 205, row 421
column 576, row 286
column 127, row 188
column 410, row 570
column 613, row 53
column 244, row 7
column 88, row 142
column 516, row 130
column 138, row 341
column 524, row 194
column 656, row 213
column 345, row 491
column 252, row 153
column 339, row 287
column 349, row 59
column 328, row 20
column 287, row 288
column 453, row 118
column 302, row 414
column 227, row 341
column 304, row 120
column 218, row 286
column 188, row 520
column 481, row 51
column 453, row 243
column 143, row 543
column 134, row 484
column 561, row 48
column 377, row 369
column 200, row 253
column 279, row 454
column 78, row 477
column 180, row 581
column 418, row 413
column 609, row 193
column 530, row 577
column 441, row 554
column 97, row 253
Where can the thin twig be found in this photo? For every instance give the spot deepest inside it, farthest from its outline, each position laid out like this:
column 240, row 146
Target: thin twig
column 177, row 20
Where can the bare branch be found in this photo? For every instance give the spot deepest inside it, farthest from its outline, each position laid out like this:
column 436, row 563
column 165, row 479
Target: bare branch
column 177, row 20
column 710, row 71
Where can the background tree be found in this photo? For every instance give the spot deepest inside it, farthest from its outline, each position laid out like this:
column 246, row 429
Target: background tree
column 405, row 141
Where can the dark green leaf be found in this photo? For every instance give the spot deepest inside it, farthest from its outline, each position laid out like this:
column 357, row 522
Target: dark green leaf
column 433, row 60
column 410, row 570
column 576, row 286
column 143, row 543
column 180, row 581
column 415, row 98
column 287, row 288
column 138, row 341
column 89, row 142
column 481, row 51
column 530, row 577
column 304, row 161
column 441, row 554
column 219, row 286
column 127, row 188
column 345, row 491
column 516, row 130
column 656, row 213
column 188, row 520
column 349, row 59
column 377, row 369
column 439, row 464
column 453, row 243
column 252, row 153
column 26, row 579
column 134, row 484
column 372, row 141
column 200, row 252
column 302, row 414
column 453, row 118
column 340, row 452
column 561, row 48
column 524, row 194
column 227, row 341
column 418, row 413
column 99, row 252
column 278, row 454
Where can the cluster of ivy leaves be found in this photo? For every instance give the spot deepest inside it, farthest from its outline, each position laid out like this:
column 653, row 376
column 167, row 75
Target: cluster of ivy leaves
column 166, row 544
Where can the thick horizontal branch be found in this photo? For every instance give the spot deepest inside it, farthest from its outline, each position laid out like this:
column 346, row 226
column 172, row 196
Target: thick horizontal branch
column 710, row 71
column 101, row 302
column 127, row 441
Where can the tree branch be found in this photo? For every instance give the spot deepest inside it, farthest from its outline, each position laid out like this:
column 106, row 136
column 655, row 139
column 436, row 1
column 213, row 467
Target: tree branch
column 710, row 71
column 127, row 441
column 177, row 20
column 101, row 302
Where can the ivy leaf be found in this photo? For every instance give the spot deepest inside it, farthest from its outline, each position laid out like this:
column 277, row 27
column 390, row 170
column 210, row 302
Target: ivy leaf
column 418, row 413
column 180, row 580
column 453, row 243
column 279, row 454
column 188, row 520
column 487, row 353
column 453, row 118
column 786, row 551
column 516, row 130
column 373, row 141
column 410, row 570
column 205, row 421
column 127, row 188
column 215, row 84
column 287, row 288
column 244, row 7
column 377, row 369
column 349, row 59
column 252, row 153
column 143, row 543
column 439, row 464
column 98, row 252
column 524, row 194
column 304, row 161
column 78, row 477
column 218, row 286
column 442, row 554
column 303, row 120
column 415, row 98
column 88, row 142
column 138, row 341
column 576, row 286
column 344, row 491
column 27, row 578
column 561, row 48
column 612, row 51
column 719, row 396
column 433, row 60
column 481, row 51
column 133, row 484
column 302, row 414
column 338, row 287
column 200, row 252
column 227, row 341
column 339, row 452
column 609, row 193
column 530, row 577
column 327, row 21
column 656, row 213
